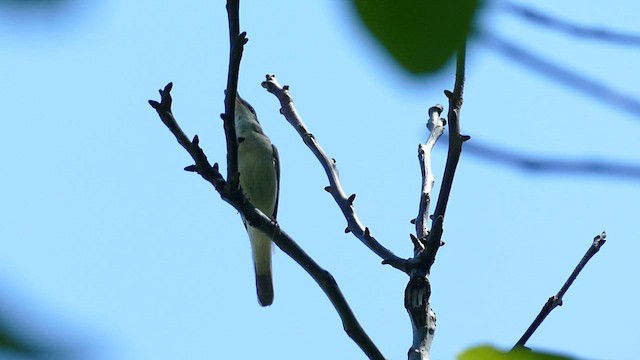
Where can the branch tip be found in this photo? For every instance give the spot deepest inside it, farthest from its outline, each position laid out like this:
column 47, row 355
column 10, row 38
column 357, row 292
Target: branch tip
column 436, row 108
column 556, row 300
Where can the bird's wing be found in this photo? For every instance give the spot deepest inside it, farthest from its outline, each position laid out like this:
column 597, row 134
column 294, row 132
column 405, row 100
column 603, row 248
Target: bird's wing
column 276, row 164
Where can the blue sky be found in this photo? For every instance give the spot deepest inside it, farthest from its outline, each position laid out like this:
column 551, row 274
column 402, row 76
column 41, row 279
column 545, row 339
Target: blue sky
column 109, row 245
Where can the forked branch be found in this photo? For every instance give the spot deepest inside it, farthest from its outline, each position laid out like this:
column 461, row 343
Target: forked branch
column 426, row 244
column 229, row 189
column 259, row 220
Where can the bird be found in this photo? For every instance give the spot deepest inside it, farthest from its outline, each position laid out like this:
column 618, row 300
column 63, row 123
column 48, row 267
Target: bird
column 259, row 168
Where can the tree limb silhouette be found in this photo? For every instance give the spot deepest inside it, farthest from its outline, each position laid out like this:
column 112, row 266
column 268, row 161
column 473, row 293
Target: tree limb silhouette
column 552, row 164
column 561, row 25
column 562, row 75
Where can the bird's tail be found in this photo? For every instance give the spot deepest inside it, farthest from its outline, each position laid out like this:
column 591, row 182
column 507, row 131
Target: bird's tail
column 261, row 247
column 264, row 287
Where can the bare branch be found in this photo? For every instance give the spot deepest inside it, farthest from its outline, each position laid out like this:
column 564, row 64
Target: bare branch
column 553, row 164
column 202, row 165
column 237, row 41
column 563, row 76
column 259, row 220
column 582, row 31
column 556, row 300
column 423, row 320
column 418, row 290
column 436, row 129
column 434, row 241
column 335, row 188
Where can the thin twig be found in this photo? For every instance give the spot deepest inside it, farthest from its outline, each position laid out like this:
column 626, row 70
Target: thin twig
column 259, row 220
column 335, row 188
column 563, row 76
column 582, row 31
column 436, row 129
column 552, row 164
column 237, row 41
column 418, row 290
column 556, row 300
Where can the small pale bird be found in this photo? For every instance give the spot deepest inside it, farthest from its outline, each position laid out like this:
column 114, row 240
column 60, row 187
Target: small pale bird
column 259, row 168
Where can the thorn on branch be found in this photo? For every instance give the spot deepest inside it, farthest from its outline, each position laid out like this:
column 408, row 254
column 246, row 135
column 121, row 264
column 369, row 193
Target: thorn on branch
column 242, row 38
column 347, row 230
column 367, row 233
column 196, row 140
column 351, row 199
column 448, row 94
column 414, row 240
column 327, row 189
column 191, row 168
column 400, row 264
column 413, row 221
column 465, row 138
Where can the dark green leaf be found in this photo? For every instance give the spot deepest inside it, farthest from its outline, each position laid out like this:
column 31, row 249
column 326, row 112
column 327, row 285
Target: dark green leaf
column 13, row 343
column 421, row 35
column 490, row 353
